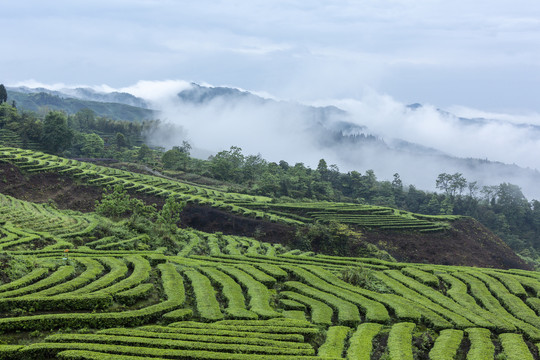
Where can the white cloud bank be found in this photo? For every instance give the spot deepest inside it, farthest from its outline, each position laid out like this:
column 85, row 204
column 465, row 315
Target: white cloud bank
column 284, row 131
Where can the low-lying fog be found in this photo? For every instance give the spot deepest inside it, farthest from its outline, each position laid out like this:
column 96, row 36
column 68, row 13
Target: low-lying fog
column 286, row 130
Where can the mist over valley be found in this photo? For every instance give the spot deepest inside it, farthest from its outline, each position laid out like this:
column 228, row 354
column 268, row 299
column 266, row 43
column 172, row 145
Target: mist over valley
column 418, row 141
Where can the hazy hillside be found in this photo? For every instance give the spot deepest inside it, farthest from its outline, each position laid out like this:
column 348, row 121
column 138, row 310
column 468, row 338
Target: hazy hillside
column 107, row 106
column 282, row 130
column 83, row 93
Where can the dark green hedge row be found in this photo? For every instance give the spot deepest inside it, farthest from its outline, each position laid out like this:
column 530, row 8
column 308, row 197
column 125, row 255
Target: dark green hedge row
column 143, row 342
column 178, row 354
column 220, row 332
column 54, row 303
column 206, row 338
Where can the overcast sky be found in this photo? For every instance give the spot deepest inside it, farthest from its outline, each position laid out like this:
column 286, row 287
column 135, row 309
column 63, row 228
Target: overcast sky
column 483, row 54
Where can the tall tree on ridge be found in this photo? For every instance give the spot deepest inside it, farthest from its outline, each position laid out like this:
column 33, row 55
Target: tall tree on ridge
column 3, row 94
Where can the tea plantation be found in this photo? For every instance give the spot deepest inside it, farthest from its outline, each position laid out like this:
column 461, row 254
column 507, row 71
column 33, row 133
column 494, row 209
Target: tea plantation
column 90, row 296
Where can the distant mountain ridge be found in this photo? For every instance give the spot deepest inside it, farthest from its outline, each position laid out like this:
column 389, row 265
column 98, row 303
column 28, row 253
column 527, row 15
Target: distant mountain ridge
column 116, row 106
column 87, row 94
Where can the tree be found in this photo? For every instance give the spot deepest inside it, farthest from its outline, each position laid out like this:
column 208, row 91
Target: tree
column 85, row 119
column 117, row 204
column 451, row 184
column 227, row 164
column 284, row 165
column 186, row 147
column 169, row 216
column 368, row 185
column 253, row 168
column 3, row 94
column 144, row 153
column 57, row 135
column 322, row 168
column 174, row 159
column 93, row 145
column 447, row 206
column 458, row 184
column 397, row 184
column 120, row 141
column 443, row 182
column 490, row 193
column 433, row 206
column 473, row 188
column 8, row 115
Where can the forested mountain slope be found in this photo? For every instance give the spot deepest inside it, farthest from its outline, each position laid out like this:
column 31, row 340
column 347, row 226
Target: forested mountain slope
column 44, row 101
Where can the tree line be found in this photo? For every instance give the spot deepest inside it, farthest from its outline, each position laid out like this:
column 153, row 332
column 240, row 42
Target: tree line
column 83, row 134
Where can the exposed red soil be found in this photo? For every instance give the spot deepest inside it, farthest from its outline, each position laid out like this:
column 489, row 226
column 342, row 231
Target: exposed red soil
column 467, row 243
column 42, row 187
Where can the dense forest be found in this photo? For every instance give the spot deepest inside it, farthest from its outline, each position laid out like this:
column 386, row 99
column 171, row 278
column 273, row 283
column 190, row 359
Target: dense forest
column 502, row 208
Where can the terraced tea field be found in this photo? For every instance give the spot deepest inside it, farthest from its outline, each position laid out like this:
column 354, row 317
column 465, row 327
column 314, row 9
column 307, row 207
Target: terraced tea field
column 258, row 207
column 94, row 296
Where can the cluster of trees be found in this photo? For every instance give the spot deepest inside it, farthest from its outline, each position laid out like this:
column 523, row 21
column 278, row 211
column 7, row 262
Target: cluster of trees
column 159, row 225
column 79, row 135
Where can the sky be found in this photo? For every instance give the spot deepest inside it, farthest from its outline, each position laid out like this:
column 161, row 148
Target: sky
column 369, row 57
column 480, row 54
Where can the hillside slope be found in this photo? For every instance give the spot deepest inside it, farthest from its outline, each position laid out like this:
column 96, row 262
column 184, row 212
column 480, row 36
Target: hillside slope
column 80, row 286
column 461, row 241
column 113, row 110
column 66, row 293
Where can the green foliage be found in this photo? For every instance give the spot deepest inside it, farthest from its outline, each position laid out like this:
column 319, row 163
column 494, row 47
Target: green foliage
column 359, row 276
column 321, row 313
column 121, row 141
column 176, row 158
column 361, row 342
column 258, row 293
column 117, row 203
column 144, row 154
column 233, row 274
column 169, row 216
column 446, row 345
column 3, row 94
column 333, row 238
column 400, row 341
column 93, row 145
column 36, row 102
column 321, row 280
column 514, row 348
column 481, row 346
column 236, row 307
column 13, row 268
column 347, row 313
column 335, row 342
column 207, row 304
column 451, row 184
column 57, row 135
